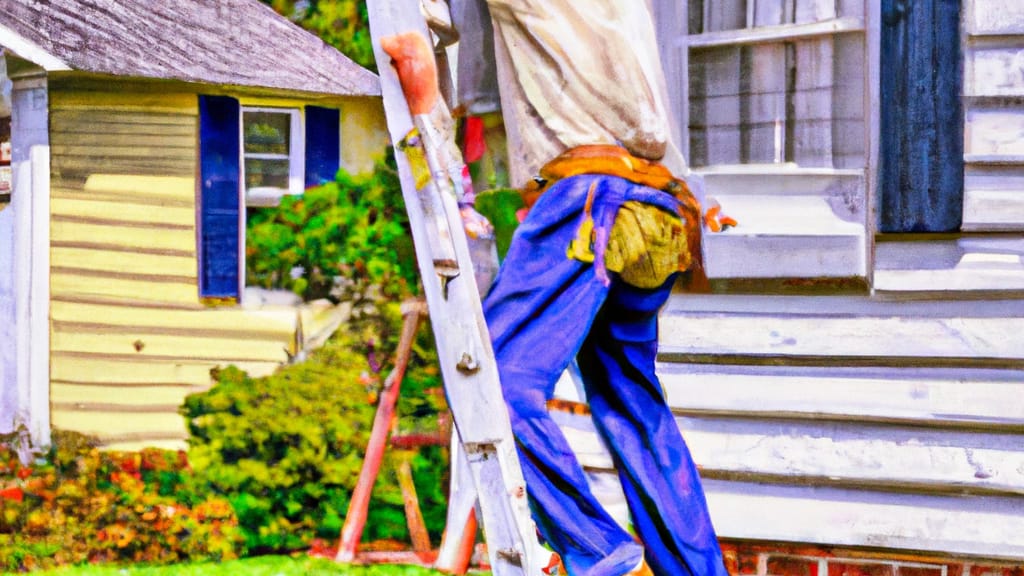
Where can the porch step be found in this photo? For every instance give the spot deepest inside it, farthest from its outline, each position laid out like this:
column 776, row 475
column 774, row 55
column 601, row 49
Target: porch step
column 794, row 236
column 970, row 265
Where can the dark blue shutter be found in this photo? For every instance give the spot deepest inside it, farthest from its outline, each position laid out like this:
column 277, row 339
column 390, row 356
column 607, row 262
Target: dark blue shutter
column 323, row 144
column 219, row 152
column 921, row 172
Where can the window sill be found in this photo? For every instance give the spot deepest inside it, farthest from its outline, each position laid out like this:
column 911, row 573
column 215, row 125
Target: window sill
column 266, row 197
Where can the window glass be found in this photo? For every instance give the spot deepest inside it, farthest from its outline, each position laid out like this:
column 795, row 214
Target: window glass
column 267, row 149
column 796, row 100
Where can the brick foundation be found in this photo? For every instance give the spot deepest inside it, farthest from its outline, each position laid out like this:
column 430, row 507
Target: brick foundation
column 763, row 559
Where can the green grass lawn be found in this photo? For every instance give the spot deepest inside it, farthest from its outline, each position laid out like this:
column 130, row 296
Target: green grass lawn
column 261, row 566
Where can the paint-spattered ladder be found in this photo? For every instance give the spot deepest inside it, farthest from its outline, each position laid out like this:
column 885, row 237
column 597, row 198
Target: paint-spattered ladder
column 463, row 346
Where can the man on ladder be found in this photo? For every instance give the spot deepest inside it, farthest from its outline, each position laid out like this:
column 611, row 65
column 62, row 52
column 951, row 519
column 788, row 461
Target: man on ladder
column 609, row 230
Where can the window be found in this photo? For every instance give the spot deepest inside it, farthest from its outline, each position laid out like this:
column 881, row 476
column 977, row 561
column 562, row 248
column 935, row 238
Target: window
column 272, row 154
column 256, row 156
column 776, row 81
column 772, row 101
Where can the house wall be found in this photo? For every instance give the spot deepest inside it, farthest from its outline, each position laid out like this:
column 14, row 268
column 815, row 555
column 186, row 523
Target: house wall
column 130, row 337
column 994, row 134
column 363, row 134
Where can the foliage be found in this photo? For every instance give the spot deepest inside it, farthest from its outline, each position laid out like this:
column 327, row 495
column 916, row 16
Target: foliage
column 343, row 24
column 342, row 238
column 501, row 206
column 76, row 504
column 286, row 450
column 260, row 566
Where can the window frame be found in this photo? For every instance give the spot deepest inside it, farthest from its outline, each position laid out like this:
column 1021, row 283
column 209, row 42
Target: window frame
column 296, row 157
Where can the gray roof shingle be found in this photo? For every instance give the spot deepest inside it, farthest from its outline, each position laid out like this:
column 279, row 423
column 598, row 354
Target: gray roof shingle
column 227, row 42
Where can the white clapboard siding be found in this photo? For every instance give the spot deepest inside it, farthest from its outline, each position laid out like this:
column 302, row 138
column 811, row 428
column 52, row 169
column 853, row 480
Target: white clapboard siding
column 996, row 17
column 834, row 453
column 936, row 397
column 993, row 198
column 994, row 118
column 977, row 526
column 996, row 210
column 967, row 265
column 994, row 71
column 883, row 339
column 980, row 526
column 848, row 421
column 997, row 132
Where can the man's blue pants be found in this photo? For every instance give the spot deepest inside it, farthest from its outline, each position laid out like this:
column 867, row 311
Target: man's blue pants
column 545, row 309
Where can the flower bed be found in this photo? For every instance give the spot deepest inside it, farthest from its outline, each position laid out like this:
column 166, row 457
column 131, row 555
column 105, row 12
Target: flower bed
column 76, row 504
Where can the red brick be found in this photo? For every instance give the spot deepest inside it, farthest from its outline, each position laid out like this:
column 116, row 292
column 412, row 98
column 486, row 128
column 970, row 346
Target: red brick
column 730, row 555
column 920, row 571
column 849, row 568
column 958, row 570
column 747, row 561
column 792, row 566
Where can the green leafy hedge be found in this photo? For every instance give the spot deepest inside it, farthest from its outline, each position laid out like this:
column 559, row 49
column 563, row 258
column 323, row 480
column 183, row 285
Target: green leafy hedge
column 335, row 240
column 286, row 450
column 77, row 504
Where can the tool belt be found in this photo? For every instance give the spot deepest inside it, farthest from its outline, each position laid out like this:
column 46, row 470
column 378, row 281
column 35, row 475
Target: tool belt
column 647, row 244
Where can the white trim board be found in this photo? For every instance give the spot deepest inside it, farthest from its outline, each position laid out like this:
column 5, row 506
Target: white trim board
column 25, row 48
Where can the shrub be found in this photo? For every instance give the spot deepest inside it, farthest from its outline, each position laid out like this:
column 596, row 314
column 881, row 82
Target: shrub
column 335, row 240
column 77, row 504
column 286, row 450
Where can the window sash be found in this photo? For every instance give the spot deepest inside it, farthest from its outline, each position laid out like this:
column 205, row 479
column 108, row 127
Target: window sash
column 767, row 85
column 296, row 157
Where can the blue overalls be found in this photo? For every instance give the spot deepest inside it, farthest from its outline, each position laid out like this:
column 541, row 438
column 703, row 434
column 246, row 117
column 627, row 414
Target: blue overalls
column 545, row 309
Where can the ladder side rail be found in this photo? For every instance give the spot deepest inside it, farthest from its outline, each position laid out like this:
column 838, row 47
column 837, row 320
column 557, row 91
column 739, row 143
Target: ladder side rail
column 474, row 394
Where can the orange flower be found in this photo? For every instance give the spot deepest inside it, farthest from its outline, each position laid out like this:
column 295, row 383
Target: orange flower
column 13, row 493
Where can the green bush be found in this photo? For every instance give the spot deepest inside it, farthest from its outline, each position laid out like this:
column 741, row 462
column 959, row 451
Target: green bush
column 335, row 240
column 77, row 504
column 286, row 450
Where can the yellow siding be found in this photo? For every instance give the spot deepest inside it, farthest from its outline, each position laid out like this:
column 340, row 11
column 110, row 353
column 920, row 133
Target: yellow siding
column 127, row 397
column 88, row 369
column 120, row 425
column 363, row 134
column 110, row 260
column 130, row 337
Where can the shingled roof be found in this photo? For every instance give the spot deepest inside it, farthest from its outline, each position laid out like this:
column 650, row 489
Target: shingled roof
column 227, row 42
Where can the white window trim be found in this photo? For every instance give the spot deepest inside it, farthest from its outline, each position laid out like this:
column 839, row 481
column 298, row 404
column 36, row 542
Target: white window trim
column 773, row 34
column 296, row 157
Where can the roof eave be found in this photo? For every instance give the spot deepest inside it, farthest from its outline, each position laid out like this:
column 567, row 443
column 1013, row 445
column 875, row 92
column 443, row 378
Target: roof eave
column 28, row 50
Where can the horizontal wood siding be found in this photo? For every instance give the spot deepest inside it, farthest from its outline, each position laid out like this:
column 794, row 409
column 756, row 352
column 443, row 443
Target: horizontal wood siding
column 130, row 337
column 844, row 420
column 993, row 90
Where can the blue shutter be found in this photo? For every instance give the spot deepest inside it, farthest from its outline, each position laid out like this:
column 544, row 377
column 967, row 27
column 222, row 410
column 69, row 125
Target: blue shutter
column 219, row 151
column 921, row 171
column 323, row 144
